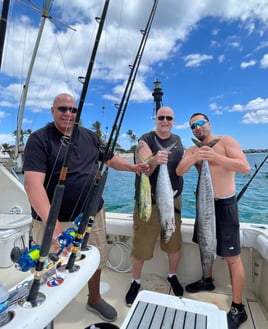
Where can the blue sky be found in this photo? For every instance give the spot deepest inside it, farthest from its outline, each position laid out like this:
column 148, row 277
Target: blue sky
column 210, row 56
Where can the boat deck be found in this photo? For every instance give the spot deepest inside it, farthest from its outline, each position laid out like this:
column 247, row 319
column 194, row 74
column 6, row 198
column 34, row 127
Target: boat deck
column 115, row 285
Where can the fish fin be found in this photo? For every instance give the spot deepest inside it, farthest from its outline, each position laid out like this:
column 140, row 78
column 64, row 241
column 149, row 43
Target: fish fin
column 197, row 143
column 210, row 144
column 144, row 160
column 170, row 147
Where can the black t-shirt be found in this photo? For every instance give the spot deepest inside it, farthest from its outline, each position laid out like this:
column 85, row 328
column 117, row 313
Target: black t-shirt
column 173, row 159
column 45, row 152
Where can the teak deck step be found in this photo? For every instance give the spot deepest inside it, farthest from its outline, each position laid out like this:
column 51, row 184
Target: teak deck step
column 156, row 310
column 147, row 315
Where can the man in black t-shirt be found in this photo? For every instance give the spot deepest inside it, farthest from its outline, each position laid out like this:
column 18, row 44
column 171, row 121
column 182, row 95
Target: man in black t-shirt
column 162, row 148
column 43, row 159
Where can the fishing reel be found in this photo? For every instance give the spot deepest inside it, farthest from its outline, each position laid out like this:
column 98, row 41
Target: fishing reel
column 78, row 219
column 66, row 238
column 25, row 259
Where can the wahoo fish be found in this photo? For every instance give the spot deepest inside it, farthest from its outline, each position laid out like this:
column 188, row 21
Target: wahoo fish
column 145, row 196
column 164, row 197
column 205, row 215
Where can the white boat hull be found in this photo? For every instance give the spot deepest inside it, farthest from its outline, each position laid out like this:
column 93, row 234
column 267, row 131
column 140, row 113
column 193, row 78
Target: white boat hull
column 254, row 241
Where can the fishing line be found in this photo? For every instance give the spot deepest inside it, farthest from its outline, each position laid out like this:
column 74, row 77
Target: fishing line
column 95, row 192
column 84, row 221
column 59, row 189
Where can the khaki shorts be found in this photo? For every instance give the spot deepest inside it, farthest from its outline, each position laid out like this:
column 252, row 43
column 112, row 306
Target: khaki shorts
column 146, row 234
column 97, row 235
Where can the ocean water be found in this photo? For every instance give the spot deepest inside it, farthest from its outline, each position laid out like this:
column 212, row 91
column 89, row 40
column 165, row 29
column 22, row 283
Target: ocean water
column 119, row 192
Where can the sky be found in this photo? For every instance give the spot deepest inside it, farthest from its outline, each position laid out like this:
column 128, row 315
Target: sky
column 209, row 56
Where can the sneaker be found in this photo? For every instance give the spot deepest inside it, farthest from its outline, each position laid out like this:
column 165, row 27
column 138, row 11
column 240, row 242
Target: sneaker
column 175, row 285
column 132, row 293
column 104, row 310
column 200, row 285
column 235, row 318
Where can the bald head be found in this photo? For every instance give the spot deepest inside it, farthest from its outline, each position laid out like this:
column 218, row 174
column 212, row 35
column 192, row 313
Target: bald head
column 165, row 110
column 64, row 98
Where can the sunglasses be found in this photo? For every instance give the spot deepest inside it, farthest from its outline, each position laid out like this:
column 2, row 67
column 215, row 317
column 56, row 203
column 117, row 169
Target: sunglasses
column 162, row 118
column 64, row 109
column 199, row 123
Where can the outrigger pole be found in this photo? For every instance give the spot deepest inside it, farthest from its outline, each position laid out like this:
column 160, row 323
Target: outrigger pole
column 240, row 194
column 95, row 192
column 45, row 13
column 3, row 26
column 59, row 190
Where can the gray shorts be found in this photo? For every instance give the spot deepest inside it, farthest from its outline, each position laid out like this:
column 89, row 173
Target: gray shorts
column 97, row 235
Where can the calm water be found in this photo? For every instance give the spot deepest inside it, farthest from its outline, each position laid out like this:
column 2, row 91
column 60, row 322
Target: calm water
column 119, row 192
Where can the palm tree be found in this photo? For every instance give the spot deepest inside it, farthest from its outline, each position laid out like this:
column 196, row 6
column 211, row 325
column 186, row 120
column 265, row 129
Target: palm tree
column 96, row 128
column 132, row 136
column 5, row 147
column 24, row 134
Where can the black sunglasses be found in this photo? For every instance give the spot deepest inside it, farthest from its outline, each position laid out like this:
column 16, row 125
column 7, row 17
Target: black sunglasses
column 64, row 109
column 163, row 117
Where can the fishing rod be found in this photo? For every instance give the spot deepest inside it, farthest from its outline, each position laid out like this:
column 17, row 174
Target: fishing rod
column 250, row 180
column 59, row 190
column 96, row 190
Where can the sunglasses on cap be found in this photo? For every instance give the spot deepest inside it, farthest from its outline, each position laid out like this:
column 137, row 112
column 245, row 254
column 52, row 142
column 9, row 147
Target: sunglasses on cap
column 199, row 123
column 163, row 117
column 64, row 109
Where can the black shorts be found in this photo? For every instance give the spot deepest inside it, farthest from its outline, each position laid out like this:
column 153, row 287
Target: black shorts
column 227, row 227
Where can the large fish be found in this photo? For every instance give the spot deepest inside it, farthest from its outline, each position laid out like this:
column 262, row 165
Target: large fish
column 164, row 197
column 145, row 198
column 145, row 195
column 205, row 215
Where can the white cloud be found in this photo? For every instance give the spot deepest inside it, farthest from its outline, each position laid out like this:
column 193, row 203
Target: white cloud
column 257, row 111
column 173, row 22
column 258, row 117
column 244, row 65
column 195, row 60
column 183, row 126
column 253, row 105
column 63, row 54
column 217, row 109
column 264, row 62
column 7, row 138
column 27, row 121
column 213, row 106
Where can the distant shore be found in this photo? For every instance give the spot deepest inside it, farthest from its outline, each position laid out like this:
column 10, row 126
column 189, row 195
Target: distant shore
column 128, row 156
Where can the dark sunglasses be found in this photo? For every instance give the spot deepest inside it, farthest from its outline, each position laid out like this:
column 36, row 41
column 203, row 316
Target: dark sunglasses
column 199, row 123
column 162, row 118
column 64, row 109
